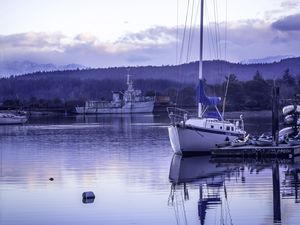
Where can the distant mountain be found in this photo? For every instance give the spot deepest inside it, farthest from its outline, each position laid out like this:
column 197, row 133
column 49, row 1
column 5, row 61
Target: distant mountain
column 269, row 59
column 8, row 68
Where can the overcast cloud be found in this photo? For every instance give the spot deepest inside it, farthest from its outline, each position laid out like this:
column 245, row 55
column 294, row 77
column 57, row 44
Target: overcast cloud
column 289, row 23
column 246, row 39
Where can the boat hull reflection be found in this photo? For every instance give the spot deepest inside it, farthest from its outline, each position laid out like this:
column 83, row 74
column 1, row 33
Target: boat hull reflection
column 195, row 169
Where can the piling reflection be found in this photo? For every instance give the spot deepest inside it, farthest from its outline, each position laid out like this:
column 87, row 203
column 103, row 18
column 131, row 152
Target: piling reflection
column 212, row 176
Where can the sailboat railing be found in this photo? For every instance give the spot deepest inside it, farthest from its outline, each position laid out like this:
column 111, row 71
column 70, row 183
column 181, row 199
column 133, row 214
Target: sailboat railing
column 239, row 123
column 177, row 115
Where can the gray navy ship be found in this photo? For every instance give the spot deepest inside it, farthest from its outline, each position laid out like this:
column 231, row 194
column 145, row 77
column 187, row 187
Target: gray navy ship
column 129, row 101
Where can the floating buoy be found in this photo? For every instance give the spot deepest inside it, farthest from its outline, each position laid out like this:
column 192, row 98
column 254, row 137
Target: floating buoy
column 88, row 197
column 88, row 194
column 51, row 179
column 88, row 200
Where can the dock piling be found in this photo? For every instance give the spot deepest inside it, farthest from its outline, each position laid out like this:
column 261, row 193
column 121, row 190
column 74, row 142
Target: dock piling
column 275, row 118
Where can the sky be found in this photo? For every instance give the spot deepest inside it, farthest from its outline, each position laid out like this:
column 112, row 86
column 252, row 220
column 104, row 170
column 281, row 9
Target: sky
column 107, row 33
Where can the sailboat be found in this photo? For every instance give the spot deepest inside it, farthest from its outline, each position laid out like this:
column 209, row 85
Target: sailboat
column 197, row 135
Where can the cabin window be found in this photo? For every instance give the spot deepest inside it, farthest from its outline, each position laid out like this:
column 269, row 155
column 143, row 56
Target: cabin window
column 221, row 128
column 227, row 128
column 231, row 128
column 211, row 126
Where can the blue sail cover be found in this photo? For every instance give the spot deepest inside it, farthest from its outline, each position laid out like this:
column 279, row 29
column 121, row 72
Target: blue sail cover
column 202, row 98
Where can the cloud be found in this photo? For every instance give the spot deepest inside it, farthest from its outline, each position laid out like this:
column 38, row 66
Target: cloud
column 32, row 41
column 289, row 23
column 286, row 7
column 246, row 39
column 289, row 4
column 152, row 36
column 87, row 49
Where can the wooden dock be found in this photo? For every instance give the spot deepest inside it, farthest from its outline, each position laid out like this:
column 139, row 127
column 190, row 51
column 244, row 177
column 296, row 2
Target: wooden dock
column 281, row 150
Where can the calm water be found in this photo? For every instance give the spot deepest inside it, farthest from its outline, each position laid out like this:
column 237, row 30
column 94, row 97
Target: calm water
column 129, row 165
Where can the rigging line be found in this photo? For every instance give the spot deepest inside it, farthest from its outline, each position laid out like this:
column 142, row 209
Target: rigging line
column 219, row 38
column 177, row 210
column 184, row 31
column 215, row 42
column 225, row 96
column 177, row 32
column 177, row 222
column 215, row 27
column 218, row 41
column 184, row 211
column 181, row 50
column 209, row 33
column 195, row 23
column 226, row 19
column 218, row 29
column 225, row 54
column 190, row 32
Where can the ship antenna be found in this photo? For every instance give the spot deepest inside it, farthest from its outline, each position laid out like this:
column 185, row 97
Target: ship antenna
column 128, row 76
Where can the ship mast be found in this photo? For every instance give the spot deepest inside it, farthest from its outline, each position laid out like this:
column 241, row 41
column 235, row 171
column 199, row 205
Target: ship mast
column 201, row 54
column 129, row 82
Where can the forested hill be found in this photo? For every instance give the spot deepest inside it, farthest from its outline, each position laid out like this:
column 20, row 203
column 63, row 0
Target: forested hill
column 214, row 71
column 249, row 88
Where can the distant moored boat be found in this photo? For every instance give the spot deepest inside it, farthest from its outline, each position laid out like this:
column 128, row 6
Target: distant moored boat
column 129, row 101
column 13, row 118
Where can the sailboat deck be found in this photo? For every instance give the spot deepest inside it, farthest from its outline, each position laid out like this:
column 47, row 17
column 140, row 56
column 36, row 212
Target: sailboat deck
column 282, row 150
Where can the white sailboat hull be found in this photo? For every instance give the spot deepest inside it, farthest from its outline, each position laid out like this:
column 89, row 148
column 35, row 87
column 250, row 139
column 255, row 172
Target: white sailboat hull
column 135, row 107
column 186, row 140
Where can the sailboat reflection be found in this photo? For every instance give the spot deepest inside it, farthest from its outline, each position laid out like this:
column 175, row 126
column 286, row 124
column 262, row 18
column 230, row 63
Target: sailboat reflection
column 200, row 171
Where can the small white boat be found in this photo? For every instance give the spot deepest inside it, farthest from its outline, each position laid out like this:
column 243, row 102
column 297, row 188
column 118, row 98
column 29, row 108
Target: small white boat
column 12, row 118
column 290, row 109
column 286, row 131
column 291, row 119
column 263, row 142
column 240, row 141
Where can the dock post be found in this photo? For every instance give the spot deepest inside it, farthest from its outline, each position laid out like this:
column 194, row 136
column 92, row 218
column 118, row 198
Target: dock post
column 275, row 118
column 276, row 193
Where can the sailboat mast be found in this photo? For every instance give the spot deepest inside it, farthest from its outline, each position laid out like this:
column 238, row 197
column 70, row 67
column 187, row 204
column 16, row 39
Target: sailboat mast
column 201, row 54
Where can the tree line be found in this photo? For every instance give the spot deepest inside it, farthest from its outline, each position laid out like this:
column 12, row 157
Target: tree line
column 254, row 94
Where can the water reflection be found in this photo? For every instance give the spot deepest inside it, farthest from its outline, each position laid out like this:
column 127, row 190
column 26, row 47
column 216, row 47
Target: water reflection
column 200, row 171
column 125, row 161
column 221, row 180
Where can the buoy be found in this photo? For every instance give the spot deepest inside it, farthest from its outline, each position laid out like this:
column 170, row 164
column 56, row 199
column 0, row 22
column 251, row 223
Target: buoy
column 88, row 195
column 88, row 200
column 51, row 179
